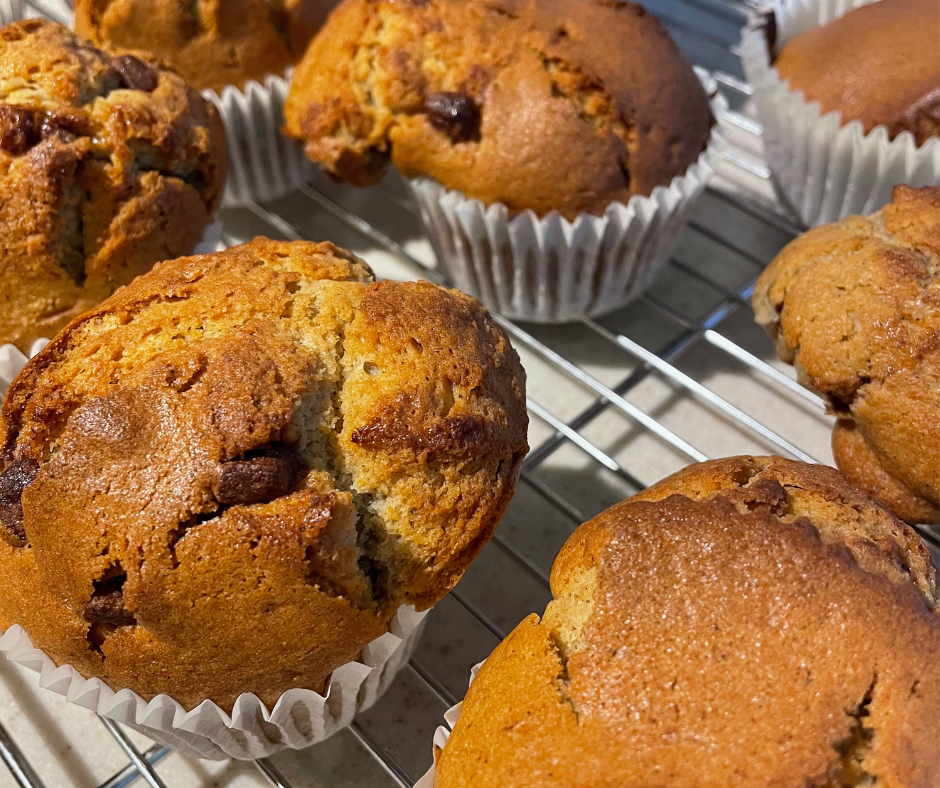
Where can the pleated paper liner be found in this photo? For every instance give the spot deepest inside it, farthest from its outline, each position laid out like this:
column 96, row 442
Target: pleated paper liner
column 551, row 270
column 299, row 719
column 263, row 163
column 825, row 169
column 442, row 734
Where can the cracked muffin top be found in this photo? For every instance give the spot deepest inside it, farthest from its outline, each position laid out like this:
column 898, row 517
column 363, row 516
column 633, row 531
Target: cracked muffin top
column 211, row 43
column 108, row 164
column 228, row 476
column 564, row 105
column 747, row 622
column 896, row 84
column 855, row 307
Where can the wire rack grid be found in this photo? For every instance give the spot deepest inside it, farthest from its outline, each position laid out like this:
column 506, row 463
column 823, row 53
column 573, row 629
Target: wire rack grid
column 616, row 403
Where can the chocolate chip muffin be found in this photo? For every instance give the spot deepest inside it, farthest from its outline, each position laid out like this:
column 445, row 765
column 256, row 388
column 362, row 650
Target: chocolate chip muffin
column 879, row 64
column 211, row 43
column 748, row 622
column 108, row 164
column 228, row 476
column 855, row 307
column 564, row 105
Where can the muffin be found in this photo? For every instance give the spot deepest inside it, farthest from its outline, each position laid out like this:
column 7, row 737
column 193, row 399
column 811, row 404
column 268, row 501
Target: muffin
column 897, row 82
column 855, row 307
column 227, row 477
column 747, row 622
column 564, row 105
column 108, row 164
column 836, row 86
column 212, row 44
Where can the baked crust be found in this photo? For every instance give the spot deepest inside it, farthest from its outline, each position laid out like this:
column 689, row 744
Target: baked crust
column 108, row 164
column 561, row 105
column 211, row 44
column 855, row 306
column 748, row 622
column 879, row 64
column 239, row 466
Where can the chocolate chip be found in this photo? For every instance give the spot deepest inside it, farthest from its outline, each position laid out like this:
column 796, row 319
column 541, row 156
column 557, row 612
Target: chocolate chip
column 770, row 32
column 455, row 114
column 64, row 124
column 134, row 73
column 13, row 481
column 17, row 129
column 258, row 479
column 108, row 608
column 107, row 604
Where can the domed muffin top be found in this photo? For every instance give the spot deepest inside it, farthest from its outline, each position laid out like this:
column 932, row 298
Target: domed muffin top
column 561, row 105
column 239, row 450
column 211, row 44
column 855, row 306
column 879, row 64
column 748, row 622
column 108, row 164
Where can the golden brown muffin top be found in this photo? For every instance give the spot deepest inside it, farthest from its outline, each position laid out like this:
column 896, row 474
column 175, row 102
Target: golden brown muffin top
column 247, row 453
column 879, row 64
column 99, row 155
column 548, row 105
column 212, row 43
column 740, row 624
column 855, row 306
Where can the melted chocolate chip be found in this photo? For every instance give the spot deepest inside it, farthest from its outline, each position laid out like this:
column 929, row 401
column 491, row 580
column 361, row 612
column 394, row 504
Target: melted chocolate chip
column 13, row 482
column 770, row 33
column 455, row 114
column 64, row 124
column 259, row 479
column 108, row 608
column 17, row 129
column 134, row 73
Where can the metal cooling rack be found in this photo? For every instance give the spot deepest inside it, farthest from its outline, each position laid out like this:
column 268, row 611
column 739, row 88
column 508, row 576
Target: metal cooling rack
column 616, row 403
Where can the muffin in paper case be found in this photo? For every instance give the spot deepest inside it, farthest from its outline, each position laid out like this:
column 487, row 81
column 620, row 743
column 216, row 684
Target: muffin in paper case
column 263, row 163
column 824, row 169
column 300, row 717
column 551, row 270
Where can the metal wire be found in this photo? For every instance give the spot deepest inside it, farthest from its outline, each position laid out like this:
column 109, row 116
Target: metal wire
column 144, row 768
column 16, row 762
column 690, row 334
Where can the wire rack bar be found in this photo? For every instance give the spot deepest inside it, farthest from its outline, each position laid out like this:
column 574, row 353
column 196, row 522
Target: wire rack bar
column 16, row 762
column 144, row 768
column 129, row 774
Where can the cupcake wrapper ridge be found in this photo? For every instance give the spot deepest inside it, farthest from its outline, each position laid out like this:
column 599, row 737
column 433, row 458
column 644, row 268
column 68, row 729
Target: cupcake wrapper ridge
column 442, row 734
column 263, row 163
column 824, row 170
column 299, row 719
column 549, row 269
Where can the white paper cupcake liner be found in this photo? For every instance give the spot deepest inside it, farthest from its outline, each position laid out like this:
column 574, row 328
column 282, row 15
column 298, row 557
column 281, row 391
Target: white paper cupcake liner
column 263, row 163
column 11, row 11
column 824, row 170
column 300, row 717
column 551, row 270
column 442, row 734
